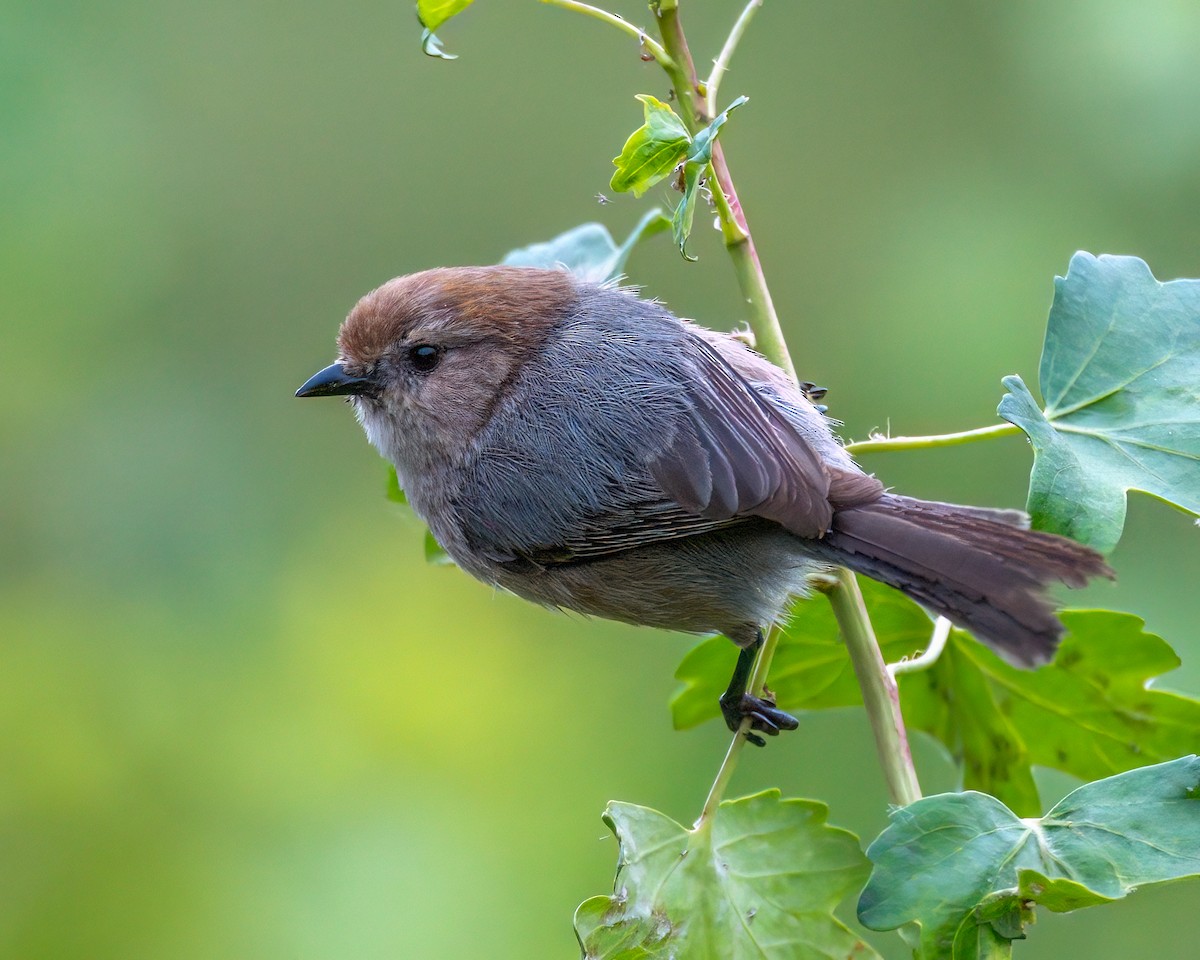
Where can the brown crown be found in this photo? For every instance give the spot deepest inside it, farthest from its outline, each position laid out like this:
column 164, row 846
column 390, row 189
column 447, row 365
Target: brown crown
column 513, row 303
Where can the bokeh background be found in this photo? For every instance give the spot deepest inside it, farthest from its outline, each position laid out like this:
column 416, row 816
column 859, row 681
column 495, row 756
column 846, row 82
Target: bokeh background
column 239, row 715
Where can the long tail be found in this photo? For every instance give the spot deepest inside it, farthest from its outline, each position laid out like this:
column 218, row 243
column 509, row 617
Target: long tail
column 979, row 568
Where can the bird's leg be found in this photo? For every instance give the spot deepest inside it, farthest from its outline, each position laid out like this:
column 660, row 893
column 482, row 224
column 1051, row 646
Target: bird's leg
column 737, row 703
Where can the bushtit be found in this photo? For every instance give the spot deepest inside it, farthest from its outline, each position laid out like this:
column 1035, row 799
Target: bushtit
column 586, row 449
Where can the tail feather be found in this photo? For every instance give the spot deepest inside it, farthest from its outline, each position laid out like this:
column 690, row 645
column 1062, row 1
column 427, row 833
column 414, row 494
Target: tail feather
column 977, row 567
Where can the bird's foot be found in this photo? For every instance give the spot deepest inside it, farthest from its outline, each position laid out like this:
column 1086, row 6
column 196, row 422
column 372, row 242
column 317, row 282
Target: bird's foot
column 814, row 393
column 764, row 717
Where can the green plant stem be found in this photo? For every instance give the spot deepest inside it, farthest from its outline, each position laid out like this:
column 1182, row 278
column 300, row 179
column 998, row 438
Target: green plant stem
column 653, row 47
column 880, row 696
column 721, row 64
column 879, row 689
column 735, row 231
column 929, row 656
column 724, row 775
column 768, row 334
column 762, row 666
column 881, row 444
column 758, row 680
column 682, row 70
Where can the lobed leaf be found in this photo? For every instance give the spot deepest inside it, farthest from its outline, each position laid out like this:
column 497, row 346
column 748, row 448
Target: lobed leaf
column 760, row 881
column 967, row 870
column 811, row 670
column 1120, row 374
column 588, row 251
column 1091, row 712
column 955, row 702
column 652, row 151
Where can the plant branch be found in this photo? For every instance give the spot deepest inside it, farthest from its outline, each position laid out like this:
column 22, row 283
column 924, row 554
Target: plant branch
column 721, row 64
column 717, row 792
column 682, row 70
column 878, row 688
column 925, row 660
column 879, row 443
column 762, row 666
column 758, row 681
column 653, row 47
column 742, row 251
column 764, row 321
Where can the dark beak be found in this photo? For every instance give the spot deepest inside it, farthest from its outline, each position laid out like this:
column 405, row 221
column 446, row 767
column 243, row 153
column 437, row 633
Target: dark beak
column 333, row 381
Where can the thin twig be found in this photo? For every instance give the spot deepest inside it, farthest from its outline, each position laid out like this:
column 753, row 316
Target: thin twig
column 682, row 70
column 721, row 64
column 724, row 774
column 937, row 643
column 653, row 47
column 880, row 444
column 757, row 681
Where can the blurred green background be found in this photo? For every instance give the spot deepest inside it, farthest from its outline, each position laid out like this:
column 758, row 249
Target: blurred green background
column 239, row 716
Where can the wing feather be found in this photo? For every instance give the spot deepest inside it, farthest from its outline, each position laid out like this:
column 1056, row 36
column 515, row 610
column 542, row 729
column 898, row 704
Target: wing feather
column 736, row 454
column 732, row 455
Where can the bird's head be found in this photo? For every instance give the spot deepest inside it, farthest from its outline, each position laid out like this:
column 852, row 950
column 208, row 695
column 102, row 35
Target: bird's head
column 425, row 358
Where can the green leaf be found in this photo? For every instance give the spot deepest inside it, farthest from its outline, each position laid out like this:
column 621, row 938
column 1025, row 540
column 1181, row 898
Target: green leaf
column 1091, row 712
column 956, row 703
column 588, row 250
column 431, row 46
column 652, row 151
column 699, row 156
column 760, row 881
column 606, row 936
column 681, row 219
column 1120, row 372
column 394, row 493
column 432, row 14
column 435, row 554
column 963, row 860
column 657, row 148
column 811, row 670
column 701, row 151
column 987, row 932
column 1058, row 895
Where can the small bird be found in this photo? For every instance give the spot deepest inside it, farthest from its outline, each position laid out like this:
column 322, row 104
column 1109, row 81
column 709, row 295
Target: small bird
column 586, row 449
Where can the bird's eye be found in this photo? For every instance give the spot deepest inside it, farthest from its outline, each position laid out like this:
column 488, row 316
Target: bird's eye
column 424, row 357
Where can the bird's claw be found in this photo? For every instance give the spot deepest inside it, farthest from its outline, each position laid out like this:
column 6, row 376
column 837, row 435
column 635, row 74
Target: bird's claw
column 764, row 717
column 814, row 393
